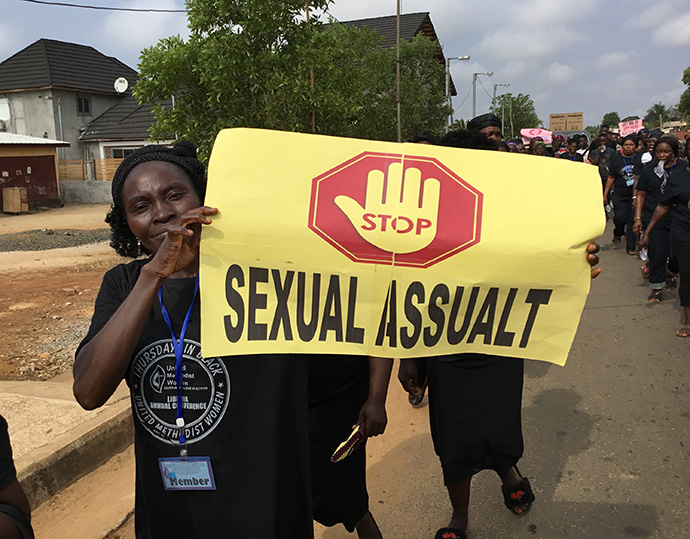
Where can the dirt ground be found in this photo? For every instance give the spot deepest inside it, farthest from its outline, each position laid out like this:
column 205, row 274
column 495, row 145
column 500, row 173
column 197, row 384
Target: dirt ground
column 47, row 296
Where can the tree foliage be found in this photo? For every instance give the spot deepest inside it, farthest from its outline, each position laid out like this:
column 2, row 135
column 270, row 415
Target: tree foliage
column 684, row 103
column 518, row 112
column 612, row 119
column 249, row 63
column 658, row 114
column 593, row 130
column 629, row 118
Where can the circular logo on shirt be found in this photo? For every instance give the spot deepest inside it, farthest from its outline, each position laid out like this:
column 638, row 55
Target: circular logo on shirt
column 205, row 391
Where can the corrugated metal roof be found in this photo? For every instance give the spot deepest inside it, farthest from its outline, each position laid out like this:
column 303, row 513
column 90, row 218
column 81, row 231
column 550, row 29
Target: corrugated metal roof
column 7, row 139
column 128, row 120
column 48, row 63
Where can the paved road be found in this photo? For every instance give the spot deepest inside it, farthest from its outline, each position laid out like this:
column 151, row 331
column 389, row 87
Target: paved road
column 606, row 436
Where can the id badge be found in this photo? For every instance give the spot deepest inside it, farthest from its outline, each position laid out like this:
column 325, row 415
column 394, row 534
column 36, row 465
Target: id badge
column 195, row 473
column 630, row 181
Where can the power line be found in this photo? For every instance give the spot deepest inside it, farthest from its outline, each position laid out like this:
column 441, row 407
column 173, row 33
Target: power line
column 104, row 8
column 466, row 96
column 482, row 85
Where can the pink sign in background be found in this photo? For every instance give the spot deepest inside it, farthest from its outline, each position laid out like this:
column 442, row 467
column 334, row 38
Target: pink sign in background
column 529, row 134
column 630, row 127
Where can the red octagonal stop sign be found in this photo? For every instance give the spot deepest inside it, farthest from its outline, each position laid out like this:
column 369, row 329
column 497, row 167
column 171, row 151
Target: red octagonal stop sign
column 358, row 208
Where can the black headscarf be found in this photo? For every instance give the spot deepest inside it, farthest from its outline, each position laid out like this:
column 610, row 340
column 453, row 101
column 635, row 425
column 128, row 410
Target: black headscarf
column 485, row 120
column 183, row 154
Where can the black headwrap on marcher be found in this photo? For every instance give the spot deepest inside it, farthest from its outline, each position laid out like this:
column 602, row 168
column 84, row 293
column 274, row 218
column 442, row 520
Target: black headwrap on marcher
column 485, row 120
column 629, row 137
column 182, row 155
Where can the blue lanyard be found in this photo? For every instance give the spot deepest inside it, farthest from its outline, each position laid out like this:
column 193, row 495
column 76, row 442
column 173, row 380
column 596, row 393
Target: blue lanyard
column 178, row 346
column 627, row 167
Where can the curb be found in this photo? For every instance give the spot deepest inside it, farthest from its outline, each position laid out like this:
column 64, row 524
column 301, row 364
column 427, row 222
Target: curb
column 51, row 470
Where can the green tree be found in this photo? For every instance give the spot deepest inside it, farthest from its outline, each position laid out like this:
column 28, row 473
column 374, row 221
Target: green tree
column 593, row 130
column 628, row 118
column 684, row 103
column 251, row 63
column 658, row 114
column 612, row 119
column 518, row 112
column 458, row 124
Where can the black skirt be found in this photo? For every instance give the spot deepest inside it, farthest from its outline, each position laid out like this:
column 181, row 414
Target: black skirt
column 338, row 387
column 475, row 406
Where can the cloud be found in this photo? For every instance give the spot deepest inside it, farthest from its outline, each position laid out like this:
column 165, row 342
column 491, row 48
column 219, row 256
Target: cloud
column 130, row 32
column 559, row 73
column 658, row 13
column 11, row 41
column 675, row 33
column 612, row 59
column 540, row 13
column 669, row 98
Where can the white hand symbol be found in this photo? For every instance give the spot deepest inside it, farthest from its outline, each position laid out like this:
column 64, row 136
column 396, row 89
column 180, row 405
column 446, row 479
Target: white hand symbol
column 393, row 218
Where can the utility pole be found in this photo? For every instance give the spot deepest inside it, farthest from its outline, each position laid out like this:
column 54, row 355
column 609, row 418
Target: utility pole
column 474, row 90
column 448, row 96
column 397, row 71
column 493, row 102
column 311, row 71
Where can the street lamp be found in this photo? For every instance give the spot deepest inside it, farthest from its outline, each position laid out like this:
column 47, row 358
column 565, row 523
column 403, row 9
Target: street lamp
column 474, row 90
column 502, row 102
column 448, row 96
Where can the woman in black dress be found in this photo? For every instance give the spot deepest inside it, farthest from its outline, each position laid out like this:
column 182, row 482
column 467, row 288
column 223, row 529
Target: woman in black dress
column 475, row 404
column 221, row 443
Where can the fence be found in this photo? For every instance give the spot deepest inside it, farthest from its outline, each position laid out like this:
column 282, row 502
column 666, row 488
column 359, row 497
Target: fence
column 104, row 169
column 71, row 170
column 76, row 169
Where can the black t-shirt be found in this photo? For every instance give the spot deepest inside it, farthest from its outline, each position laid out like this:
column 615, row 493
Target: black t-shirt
column 604, row 160
column 624, row 169
column 654, row 187
column 7, row 471
column 576, row 158
column 677, row 197
column 247, row 413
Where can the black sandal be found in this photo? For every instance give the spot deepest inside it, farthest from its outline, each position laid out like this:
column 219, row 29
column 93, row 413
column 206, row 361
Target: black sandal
column 656, row 296
column 519, row 495
column 671, row 282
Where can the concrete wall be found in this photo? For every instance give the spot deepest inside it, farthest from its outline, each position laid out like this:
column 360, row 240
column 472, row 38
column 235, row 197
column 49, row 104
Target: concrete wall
column 86, row 192
column 36, row 113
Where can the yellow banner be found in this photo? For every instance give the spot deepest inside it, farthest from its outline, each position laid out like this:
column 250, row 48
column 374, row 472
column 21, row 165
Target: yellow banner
column 343, row 246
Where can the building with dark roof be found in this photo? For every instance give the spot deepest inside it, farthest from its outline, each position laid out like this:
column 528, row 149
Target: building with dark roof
column 411, row 25
column 120, row 129
column 54, row 89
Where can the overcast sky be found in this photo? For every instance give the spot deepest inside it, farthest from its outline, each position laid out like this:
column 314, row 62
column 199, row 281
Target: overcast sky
column 583, row 56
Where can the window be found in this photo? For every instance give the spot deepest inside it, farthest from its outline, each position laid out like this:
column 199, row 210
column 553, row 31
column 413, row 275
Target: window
column 84, row 106
column 121, row 153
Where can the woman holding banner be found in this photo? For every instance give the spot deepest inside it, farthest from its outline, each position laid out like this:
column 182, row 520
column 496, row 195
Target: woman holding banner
column 222, row 442
column 475, row 403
